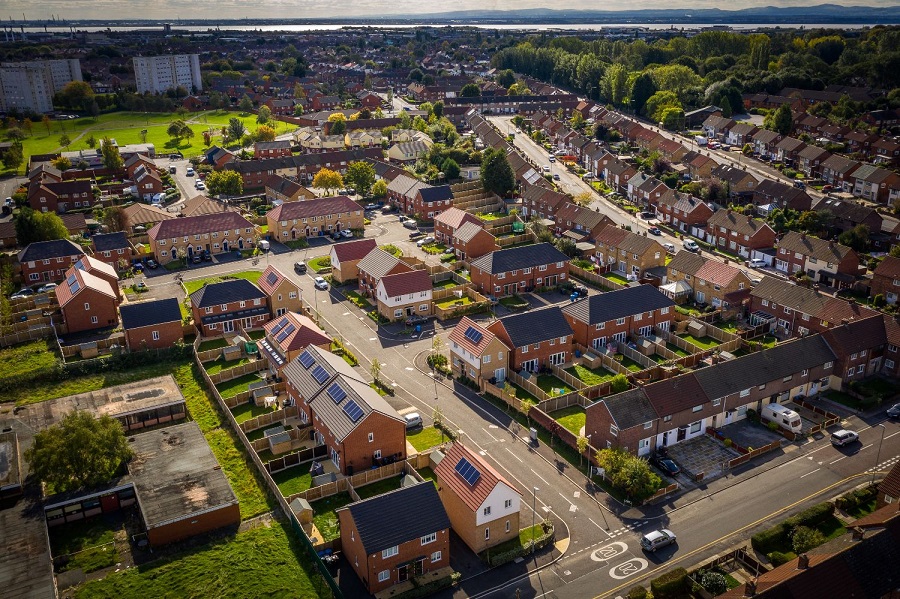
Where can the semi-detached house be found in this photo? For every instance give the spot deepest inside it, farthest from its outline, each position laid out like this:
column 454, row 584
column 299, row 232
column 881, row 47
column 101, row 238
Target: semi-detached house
column 46, row 261
column 739, row 234
column 537, row 338
column 622, row 251
column 710, row 282
column 682, row 211
column 229, row 306
column 825, row 262
column 314, row 218
column 476, row 353
column 404, row 294
column 509, row 271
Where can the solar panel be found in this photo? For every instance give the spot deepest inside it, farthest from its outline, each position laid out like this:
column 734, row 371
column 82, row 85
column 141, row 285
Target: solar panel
column 290, row 329
column 474, row 335
column 307, row 360
column 74, row 287
column 279, row 326
column 72, row 278
column 320, row 374
column 272, row 278
column 352, row 410
column 336, row 393
column 469, row 472
column 284, row 335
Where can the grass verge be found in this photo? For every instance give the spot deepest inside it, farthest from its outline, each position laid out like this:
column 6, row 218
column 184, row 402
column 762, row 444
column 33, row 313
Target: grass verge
column 426, row 438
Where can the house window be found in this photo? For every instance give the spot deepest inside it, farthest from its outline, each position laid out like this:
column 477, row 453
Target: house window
column 398, row 313
column 859, row 369
column 697, row 408
column 850, row 372
column 507, row 526
column 542, row 267
column 889, row 364
column 209, row 309
column 805, row 372
column 507, row 504
column 390, row 552
column 892, row 348
column 829, row 364
column 93, row 320
column 695, row 427
column 525, row 349
column 648, row 425
column 613, row 430
column 429, row 538
column 765, row 303
column 717, row 402
column 854, row 355
column 600, row 326
column 787, row 378
column 423, row 307
column 384, row 575
column 620, row 321
column 155, row 335
column 487, row 511
column 243, row 304
column 371, row 437
column 435, row 557
column 664, row 310
column 87, row 308
column 223, row 307
column 487, row 534
column 667, row 418
column 745, row 392
column 501, row 275
column 486, row 359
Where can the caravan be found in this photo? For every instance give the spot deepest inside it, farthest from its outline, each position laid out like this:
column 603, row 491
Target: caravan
column 784, row 417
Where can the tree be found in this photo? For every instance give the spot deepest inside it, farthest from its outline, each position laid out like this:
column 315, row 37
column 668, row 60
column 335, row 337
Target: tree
column 34, row 226
column 505, row 78
column 27, row 125
column 437, row 109
column 781, row 120
column 338, row 123
column 375, row 369
column 450, row 169
column 328, row 180
column 111, row 157
column 64, row 141
column 265, row 133
column 177, row 129
column 582, row 444
column 14, row 156
column 658, row 103
column 298, row 110
column 62, row 163
column 113, row 218
column 46, row 121
column 235, row 128
column 264, row 115
column 714, row 582
column 361, row 175
column 804, row 538
column 496, row 173
column 629, row 473
column 76, row 95
column 614, row 84
column 415, row 75
column 527, row 404
column 641, row 91
column 379, row 190
column 81, row 451
column 91, row 141
column 618, row 384
column 246, row 104
column 856, row 238
column 225, row 182
column 470, row 90
column 584, row 198
column 673, row 118
column 566, row 246
column 760, row 46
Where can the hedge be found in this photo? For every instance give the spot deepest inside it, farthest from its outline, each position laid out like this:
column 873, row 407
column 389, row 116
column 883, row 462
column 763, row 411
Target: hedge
column 856, row 498
column 498, row 559
column 637, row 592
column 771, row 539
column 670, row 584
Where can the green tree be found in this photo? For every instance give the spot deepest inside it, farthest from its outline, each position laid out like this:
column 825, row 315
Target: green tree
column 34, row 226
column 64, row 140
column 659, row 102
column 673, row 119
column 225, row 183
column 714, row 582
column 265, row 133
column 470, row 90
column 246, row 104
column 582, row 444
column 856, row 238
column 14, row 156
column 328, row 180
column 361, row 175
column 614, row 85
column 62, row 163
column 760, row 48
column 264, row 115
column 618, row 384
column 379, row 190
column 781, row 120
column 641, row 91
column 112, row 159
column 629, row 473
column 81, row 451
column 527, row 404
column 76, row 95
column 505, row 78
column 450, row 169
column 497, row 175
column 175, row 130
column 804, row 538
column 375, row 369
column 235, row 128
column 438, row 109
column 91, row 141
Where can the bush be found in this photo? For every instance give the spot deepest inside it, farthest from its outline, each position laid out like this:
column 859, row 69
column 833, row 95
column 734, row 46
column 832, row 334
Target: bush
column 778, row 558
column 878, row 301
column 637, row 592
column 670, row 584
column 714, row 582
column 805, row 538
column 773, row 426
column 728, row 442
column 773, row 538
column 856, row 498
column 767, row 540
column 752, row 416
column 811, row 517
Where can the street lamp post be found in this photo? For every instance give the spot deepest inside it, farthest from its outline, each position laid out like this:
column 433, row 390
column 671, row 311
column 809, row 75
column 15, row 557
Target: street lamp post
column 878, row 454
column 534, row 491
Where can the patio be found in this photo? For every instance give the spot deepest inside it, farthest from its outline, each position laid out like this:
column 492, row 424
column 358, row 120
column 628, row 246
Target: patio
column 749, row 434
column 702, row 455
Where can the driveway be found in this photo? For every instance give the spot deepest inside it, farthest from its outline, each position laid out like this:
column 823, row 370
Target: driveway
column 702, row 455
column 749, row 434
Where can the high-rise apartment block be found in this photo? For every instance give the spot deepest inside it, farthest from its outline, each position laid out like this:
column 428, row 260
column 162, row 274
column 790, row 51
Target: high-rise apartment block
column 156, row 74
column 29, row 86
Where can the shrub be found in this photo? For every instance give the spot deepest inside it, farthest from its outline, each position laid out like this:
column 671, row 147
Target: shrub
column 767, row 540
column 805, row 538
column 714, row 582
column 773, row 426
column 752, row 415
column 856, row 498
column 637, row 592
column 878, row 301
column 728, row 442
column 777, row 558
column 670, row 584
column 811, row 517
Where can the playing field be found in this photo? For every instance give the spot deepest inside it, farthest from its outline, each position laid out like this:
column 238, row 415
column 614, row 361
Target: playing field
column 126, row 127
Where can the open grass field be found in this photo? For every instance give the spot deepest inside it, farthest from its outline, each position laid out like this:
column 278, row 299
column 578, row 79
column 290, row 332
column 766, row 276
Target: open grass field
column 425, row 438
column 195, row 284
column 126, row 127
column 263, row 562
column 27, row 358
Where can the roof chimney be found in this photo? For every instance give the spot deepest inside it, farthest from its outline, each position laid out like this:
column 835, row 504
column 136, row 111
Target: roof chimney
column 803, row 562
column 845, row 321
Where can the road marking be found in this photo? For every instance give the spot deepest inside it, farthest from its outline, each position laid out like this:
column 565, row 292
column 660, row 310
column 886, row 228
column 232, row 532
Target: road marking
column 808, row 473
column 489, row 434
column 373, row 338
column 576, row 494
column 513, row 454
column 345, row 314
column 410, row 368
column 892, row 435
column 629, row 568
column 541, row 477
column 838, row 460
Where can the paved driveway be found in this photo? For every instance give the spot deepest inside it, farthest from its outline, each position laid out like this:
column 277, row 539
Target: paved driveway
column 702, row 455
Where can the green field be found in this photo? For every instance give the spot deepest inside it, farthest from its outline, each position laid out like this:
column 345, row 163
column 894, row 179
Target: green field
column 126, row 127
column 27, row 358
column 263, row 562
column 238, row 385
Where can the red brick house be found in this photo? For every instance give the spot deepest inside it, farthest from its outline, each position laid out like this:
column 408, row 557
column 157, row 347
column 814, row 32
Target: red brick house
column 622, row 251
column 181, row 238
column 542, row 201
column 837, row 171
column 385, row 551
column 375, row 265
column 404, row 294
column 61, row 196
column 776, row 194
column 788, row 150
column 287, row 336
column 271, row 149
column 87, row 302
column 682, row 211
column 580, row 222
column 314, row 218
column 825, row 262
column 154, row 324
column 101, row 269
column 477, row 353
column 509, row 271
column 346, row 256
column 859, row 347
column 810, row 159
column 712, row 282
column 739, row 234
column 46, row 261
column 447, row 222
column 886, row 280
column 115, row 249
column 229, row 307
column 428, row 201
column 538, row 338
column 613, row 317
column 472, row 241
column 369, row 100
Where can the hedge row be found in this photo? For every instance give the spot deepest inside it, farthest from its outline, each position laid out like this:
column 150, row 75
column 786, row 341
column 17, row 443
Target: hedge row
column 771, row 539
column 498, row 559
column 671, row 584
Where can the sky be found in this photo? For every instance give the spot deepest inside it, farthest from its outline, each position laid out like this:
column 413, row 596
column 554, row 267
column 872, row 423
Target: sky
column 299, row 9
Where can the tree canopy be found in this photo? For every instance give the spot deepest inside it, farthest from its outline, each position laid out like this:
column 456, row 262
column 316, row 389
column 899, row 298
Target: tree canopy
column 225, row 182
column 361, row 175
column 496, row 172
column 34, row 226
column 328, row 180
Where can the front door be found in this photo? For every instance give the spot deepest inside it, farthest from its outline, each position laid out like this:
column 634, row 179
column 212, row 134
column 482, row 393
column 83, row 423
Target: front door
column 500, row 374
column 228, row 326
column 682, row 433
column 403, row 573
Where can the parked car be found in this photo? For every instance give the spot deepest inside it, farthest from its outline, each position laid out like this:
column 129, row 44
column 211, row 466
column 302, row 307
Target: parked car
column 22, row 293
column 546, row 168
column 47, row 288
column 416, row 234
column 346, row 233
column 415, row 319
column 320, row 283
column 843, row 437
column 152, row 263
column 552, row 158
column 300, row 268
column 691, row 245
column 654, row 231
column 657, row 539
column 336, row 236
column 200, row 185
column 370, row 207
column 556, row 176
column 410, row 224
column 894, row 411
column 666, row 464
column 425, row 241
column 207, row 257
column 670, row 247
column 648, row 215
column 413, row 420
column 196, row 259
column 172, row 169
column 757, row 263
column 828, row 188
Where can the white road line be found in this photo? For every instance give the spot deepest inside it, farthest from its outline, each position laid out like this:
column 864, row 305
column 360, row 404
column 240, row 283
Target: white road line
column 893, row 435
column 513, row 454
column 808, row 473
column 838, row 460
column 600, row 527
column 489, row 434
column 867, row 446
column 540, row 477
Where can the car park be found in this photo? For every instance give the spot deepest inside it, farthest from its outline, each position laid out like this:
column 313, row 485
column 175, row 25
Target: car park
column 425, row 241
column 894, row 411
column 320, row 283
column 843, row 437
column 654, row 231
column 300, row 268
column 757, row 263
column 691, row 245
column 412, row 420
column 657, row 539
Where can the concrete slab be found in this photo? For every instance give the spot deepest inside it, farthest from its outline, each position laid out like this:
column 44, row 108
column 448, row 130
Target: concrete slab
column 702, row 455
column 749, row 434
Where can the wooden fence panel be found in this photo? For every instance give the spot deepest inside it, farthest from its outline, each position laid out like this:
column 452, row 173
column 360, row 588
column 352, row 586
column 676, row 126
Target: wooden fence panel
column 594, row 278
column 572, row 381
column 239, row 371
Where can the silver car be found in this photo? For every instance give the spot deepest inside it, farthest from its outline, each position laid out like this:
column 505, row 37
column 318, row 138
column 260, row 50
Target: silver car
column 656, row 539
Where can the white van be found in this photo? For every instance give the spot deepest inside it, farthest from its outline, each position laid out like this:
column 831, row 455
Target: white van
column 784, row 417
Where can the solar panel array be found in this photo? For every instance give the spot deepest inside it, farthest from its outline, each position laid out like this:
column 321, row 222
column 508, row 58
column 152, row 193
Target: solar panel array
column 352, row 410
column 272, row 278
column 336, row 393
column 307, row 360
column 281, row 324
column 72, row 278
column 320, row 374
column 474, row 335
column 274, row 355
column 287, row 331
column 469, row 472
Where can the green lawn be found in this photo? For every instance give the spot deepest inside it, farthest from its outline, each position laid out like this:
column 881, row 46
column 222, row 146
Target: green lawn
column 385, row 485
column 452, row 302
column 425, row 438
column 571, row 418
column 520, row 393
column 445, row 284
column 590, row 376
column 209, row 344
column 615, row 277
column 195, row 284
column 293, row 480
column 704, row 342
column 728, row 326
column 126, row 127
column 324, row 517
column 266, row 560
column 28, row 359
column 428, row 474
column 320, row 263
column 552, row 385
column 247, row 410
column 256, row 335
column 631, row 364
column 220, row 364
column 357, row 300
column 238, row 385
column 89, row 545
column 526, row 535
column 392, row 249
column 677, row 350
column 514, row 302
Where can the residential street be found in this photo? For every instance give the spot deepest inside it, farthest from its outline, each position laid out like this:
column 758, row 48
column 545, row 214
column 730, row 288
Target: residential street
column 597, row 551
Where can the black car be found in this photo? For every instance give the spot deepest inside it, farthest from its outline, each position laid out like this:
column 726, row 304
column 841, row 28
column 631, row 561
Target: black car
column 666, row 464
column 415, row 319
column 300, row 268
column 654, row 231
column 417, row 234
column 207, row 257
column 196, row 259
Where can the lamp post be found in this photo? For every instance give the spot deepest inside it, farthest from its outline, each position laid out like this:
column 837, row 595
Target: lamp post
column 878, row 454
column 534, row 491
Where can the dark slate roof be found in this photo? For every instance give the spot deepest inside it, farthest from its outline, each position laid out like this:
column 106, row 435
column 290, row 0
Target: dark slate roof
column 604, row 307
column 403, row 515
column 232, row 290
column 145, row 314
column 630, row 408
column 763, row 367
column 436, row 194
column 301, row 378
column 44, row 250
column 535, row 326
column 526, row 256
column 110, row 241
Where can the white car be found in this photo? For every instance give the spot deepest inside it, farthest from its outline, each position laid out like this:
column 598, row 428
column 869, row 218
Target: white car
column 844, row 437
column 346, row 233
column 546, row 168
column 413, row 420
column 757, row 263
column 425, row 241
column 320, row 283
column 691, row 245
column 198, row 184
column 670, row 247
column 190, row 171
column 47, row 288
